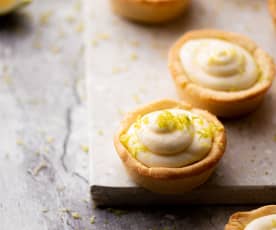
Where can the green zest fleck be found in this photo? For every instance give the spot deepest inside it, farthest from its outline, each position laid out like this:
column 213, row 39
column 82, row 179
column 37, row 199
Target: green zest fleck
column 171, row 122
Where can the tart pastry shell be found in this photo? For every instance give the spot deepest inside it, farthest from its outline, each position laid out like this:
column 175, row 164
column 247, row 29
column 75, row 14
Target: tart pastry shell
column 170, row 180
column 239, row 220
column 149, row 11
column 222, row 103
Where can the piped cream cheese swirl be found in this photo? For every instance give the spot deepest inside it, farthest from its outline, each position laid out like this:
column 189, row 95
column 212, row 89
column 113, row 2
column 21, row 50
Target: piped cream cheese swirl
column 263, row 223
column 218, row 64
column 169, row 138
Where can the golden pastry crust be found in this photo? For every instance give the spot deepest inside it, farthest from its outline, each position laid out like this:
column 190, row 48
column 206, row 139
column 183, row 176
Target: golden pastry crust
column 272, row 9
column 170, row 180
column 222, row 103
column 239, row 220
column 149, row 11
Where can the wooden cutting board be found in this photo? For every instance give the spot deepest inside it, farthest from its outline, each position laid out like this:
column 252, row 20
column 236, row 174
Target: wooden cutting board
column 126, row 66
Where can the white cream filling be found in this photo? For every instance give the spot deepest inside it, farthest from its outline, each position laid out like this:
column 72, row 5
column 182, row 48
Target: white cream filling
column 263, row 223
column 169, row 146
column 218, row 64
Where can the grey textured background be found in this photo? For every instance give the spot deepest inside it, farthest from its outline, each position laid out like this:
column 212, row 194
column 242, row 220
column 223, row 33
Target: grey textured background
column 43, row 132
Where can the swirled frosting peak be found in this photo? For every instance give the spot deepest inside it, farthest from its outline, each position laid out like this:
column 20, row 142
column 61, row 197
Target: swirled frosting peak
column 218, row 64
column 169, row 138
column 263, row 223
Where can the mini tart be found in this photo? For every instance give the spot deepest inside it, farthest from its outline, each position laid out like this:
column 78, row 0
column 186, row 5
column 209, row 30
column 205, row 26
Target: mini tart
column 170, row 180
column 224, row 103
column 240, row 220
column 149, row 11
column 272, row 9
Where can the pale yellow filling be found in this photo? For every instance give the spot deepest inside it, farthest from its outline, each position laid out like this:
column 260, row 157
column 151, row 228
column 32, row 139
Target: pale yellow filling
column 219, row 65
column 169, row 138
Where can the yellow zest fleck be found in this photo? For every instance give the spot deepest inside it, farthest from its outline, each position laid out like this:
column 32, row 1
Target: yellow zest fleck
column 76, row 215
column 169, row 121
column 135, row 146
column 84, row 148
column 124, row 139
column 145, row 120
column 208, row 132
column 45, row 210
column 138, row 123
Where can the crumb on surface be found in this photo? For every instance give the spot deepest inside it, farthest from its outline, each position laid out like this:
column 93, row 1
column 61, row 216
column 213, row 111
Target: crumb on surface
column 103, row 36
column 55, row 49
column 116, row 70
column 92, row 219
column 50, row 139
column 45, row 17
column 42, row 165
column 65, row 210
column 61, row 188
column 7, row 79
column 84, row 148
column 20, row 142
column 45, row 210
column 79, row 28
column 133, row 56
column 76, row 215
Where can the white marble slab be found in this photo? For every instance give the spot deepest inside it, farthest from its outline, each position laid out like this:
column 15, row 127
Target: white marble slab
column 126, row 65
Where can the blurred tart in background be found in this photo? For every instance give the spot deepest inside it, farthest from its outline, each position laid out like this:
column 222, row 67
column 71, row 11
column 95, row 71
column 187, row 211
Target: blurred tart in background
column 8, row 6
column 149, row 11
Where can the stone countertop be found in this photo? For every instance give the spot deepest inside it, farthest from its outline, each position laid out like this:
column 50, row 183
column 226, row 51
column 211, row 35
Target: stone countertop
column 43, row 151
